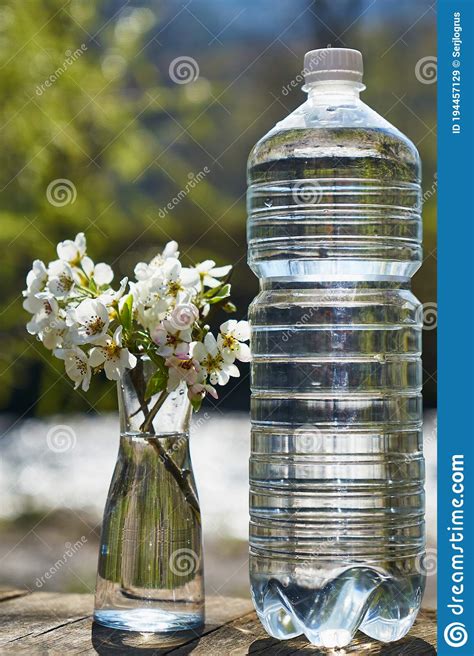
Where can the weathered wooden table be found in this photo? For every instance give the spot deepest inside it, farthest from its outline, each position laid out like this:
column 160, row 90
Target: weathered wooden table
column 50, row 623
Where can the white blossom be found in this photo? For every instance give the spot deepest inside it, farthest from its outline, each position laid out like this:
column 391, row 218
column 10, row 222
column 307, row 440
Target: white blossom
column 72, row 251
column 149, row 301
column 77, row 366
column 182, row 369
column 56, row 334
column 199, row 390
column 74, row 311
column 160, row 288
column 101, row 273
column 210, row 273
column 36, row 279
column 61, row 279
column 48, row 320
column 44, row 308
column 90, row 320
column 183, row 316
column 170, row 250
column 144, row 271
column 179, row 282
column 112, row 356
column 217, row 364
column 171, row 340
column 232, row 334
column 110, row 296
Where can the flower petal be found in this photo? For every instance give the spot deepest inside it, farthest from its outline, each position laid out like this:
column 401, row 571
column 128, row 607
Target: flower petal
column 228, row 326
column 198, row 350
column 170, row 250
column 88, row 266
column 222, row 377
column 209, row 281
column 112, row 369
column 243, row 354
column 97, row 356
column 117, row 338
column 211, row 344
column 233, row 371
column 242, row 331
column 204, row 267
column 189, row 277
column 219, row 272
column 103, row 274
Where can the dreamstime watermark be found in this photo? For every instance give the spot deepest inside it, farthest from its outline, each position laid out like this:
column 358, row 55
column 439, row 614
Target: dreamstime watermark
column 306, row 317
column 455, row 634
column 427, row 563
column 307, row 192
column 308, row 439
column 61, row 192
column 427, row 315
column 426, row 69
column 69, row 60
column 178, row 443
column 71, row 550
column 201, row 419
column 183, row 70
column 61, row 438
column 299, row 79
column 193, row 180
column 429, row 193
column 184, row 562
column 307, row 572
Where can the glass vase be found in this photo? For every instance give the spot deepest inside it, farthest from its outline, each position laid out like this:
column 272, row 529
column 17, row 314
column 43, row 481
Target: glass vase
column 150, row 571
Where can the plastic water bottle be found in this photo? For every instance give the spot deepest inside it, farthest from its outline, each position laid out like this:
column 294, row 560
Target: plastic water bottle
column 336, row 470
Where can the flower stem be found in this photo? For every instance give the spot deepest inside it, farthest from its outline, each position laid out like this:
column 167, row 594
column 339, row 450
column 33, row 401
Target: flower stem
column 178, row 475
column 153, row 412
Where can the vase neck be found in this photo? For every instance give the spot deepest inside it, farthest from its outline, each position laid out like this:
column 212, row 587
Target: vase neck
column 162, row 415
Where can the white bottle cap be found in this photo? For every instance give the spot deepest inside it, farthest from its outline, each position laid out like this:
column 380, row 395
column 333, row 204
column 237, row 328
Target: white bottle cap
column 333, row 64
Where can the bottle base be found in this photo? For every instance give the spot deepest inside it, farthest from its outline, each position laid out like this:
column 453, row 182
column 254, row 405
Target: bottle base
column 148, row 620
column 329, row 616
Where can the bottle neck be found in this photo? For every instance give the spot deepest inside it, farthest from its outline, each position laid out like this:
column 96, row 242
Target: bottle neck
column 333, row 92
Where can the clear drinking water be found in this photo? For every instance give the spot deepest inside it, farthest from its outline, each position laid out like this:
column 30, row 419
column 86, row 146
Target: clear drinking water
column 336, row 470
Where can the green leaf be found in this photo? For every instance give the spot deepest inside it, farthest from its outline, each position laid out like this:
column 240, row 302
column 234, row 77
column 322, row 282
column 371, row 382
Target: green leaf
column 129, row 303
column 217, row 291
column 196, row 403
column 157, row 359
column 221, row 294
column 126, row 313
column 159, row 380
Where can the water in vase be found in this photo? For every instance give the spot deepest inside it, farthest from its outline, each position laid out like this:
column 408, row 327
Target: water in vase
column 150, row 571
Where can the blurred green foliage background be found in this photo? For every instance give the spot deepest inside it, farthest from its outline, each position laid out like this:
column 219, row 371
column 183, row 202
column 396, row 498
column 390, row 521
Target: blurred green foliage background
column 130, row 139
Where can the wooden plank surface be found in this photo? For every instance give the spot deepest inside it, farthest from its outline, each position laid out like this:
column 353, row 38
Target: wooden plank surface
column 247, row 636
column 11, row 593
column 51, row 623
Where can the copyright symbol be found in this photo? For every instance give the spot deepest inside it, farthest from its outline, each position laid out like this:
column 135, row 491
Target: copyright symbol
column 456, row 63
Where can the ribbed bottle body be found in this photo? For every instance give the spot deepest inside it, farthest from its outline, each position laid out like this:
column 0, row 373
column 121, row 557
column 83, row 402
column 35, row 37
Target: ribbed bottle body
column 336, row 468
